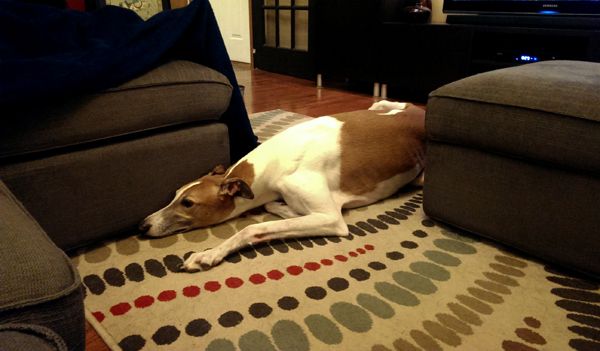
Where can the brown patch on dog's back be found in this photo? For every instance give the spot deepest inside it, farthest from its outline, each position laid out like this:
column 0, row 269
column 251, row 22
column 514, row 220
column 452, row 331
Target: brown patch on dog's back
column 376, row 147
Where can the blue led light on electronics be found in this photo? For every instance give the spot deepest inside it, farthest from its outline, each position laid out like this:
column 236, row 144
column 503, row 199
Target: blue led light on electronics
column 526, row 58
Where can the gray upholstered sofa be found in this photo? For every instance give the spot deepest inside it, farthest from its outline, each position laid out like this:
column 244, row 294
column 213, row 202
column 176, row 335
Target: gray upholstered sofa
column 514, row 155
column 90, row 170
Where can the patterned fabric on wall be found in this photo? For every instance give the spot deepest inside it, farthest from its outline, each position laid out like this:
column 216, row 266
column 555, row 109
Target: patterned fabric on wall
column 144, row 8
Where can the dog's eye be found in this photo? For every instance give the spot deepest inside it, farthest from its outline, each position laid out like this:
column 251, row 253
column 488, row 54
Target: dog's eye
column 187, row 203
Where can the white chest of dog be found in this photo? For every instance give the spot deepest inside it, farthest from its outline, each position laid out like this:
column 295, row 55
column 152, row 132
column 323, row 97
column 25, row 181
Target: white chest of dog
column 316, row 168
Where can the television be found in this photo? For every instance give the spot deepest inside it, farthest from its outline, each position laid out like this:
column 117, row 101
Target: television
column 575, row 13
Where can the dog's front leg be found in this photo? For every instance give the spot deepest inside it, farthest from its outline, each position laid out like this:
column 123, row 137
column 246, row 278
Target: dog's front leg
column 322, row 217
column 311, row 225
column 205, row 259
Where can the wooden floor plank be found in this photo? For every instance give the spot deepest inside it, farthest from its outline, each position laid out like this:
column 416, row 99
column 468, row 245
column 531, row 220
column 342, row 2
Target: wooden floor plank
column 266, row 91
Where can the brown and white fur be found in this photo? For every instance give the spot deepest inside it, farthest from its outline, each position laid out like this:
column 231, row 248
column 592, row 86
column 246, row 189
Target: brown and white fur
column 306, row 175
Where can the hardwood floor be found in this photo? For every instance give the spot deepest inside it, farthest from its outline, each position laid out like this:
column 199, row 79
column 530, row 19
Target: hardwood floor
column 93, row 341
column 266, row 91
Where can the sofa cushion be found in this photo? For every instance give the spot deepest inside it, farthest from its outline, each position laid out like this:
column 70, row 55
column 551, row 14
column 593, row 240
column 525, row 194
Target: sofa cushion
column 39, row 284
column 174, row 93
column 543, row 112
column 90, row 195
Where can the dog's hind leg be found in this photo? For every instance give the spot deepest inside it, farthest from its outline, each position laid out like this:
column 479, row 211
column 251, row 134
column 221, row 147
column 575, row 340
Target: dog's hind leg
column 280, row 209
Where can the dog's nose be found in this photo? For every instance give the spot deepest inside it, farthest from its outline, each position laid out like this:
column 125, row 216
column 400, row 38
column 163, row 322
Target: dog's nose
column 144, row 226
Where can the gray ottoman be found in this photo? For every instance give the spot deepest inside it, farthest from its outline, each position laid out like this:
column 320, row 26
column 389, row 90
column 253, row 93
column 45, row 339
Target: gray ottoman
column 514, row 155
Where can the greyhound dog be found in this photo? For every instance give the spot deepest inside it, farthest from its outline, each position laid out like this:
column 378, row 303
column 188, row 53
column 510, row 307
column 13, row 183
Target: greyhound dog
column 305, row 175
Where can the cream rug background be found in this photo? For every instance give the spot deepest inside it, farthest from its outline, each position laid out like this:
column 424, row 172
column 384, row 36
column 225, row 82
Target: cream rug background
column 399, row 281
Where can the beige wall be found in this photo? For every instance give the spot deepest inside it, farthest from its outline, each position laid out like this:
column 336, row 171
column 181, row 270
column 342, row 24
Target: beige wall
column 437, row 16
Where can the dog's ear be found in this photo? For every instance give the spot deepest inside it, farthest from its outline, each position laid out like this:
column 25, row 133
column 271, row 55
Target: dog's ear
column 236, row 187
column 219, row 169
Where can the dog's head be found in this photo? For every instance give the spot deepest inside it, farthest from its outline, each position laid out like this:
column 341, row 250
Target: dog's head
column 204, row 202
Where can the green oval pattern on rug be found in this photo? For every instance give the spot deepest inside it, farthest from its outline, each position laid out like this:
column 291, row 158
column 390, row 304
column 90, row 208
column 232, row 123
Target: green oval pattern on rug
column 430, row 270
column 442, row 258
column 255, row 340
column 396, row 294
column 289, row 336
column 223, row 231
column 163, row 242
column 196, row 236
column 220, row 345
column 375, row 305
column 454, row 246
column 442, row 333
column 323, row 329
column 351, row 316
column 128, row 246
column 414, row 282
column 454, row 323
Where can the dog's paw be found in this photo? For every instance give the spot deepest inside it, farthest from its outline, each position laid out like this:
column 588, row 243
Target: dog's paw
column 202, row 261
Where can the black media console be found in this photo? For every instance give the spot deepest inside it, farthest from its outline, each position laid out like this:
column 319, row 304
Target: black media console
column 414, row 59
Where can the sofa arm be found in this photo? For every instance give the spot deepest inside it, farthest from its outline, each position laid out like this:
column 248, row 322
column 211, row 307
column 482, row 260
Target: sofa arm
column 26, row 337
column 39, row 285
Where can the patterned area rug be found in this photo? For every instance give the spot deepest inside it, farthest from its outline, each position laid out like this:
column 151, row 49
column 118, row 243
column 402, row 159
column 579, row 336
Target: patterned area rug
column 398, row 281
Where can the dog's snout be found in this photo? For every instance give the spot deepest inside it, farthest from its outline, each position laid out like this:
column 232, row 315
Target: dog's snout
column 144, row 226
